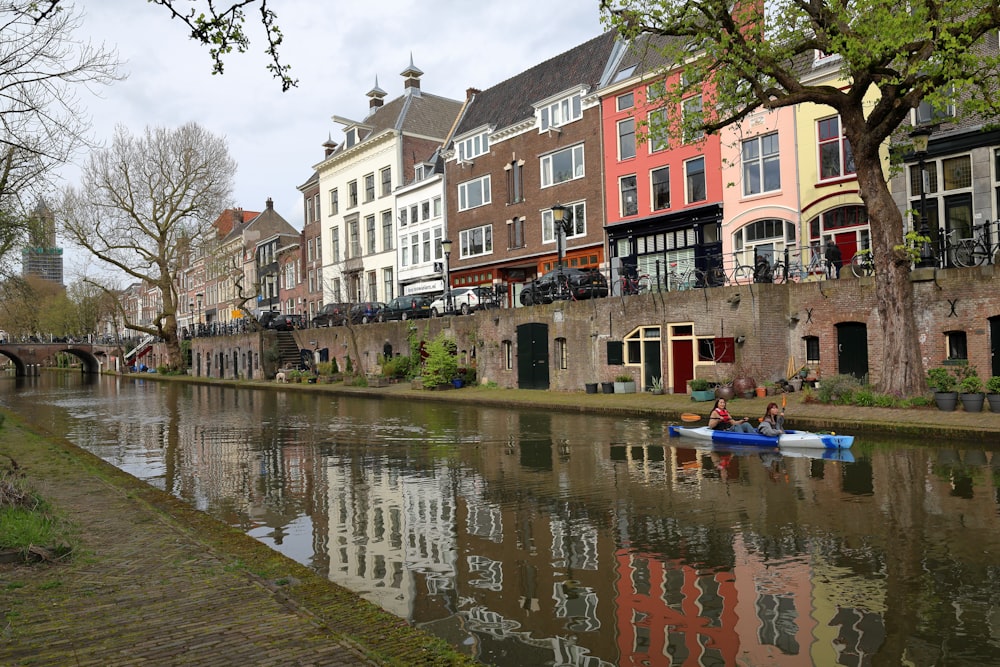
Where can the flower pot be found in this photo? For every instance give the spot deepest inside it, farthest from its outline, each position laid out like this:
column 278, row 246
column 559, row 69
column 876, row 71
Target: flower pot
column 994, row 401
column 457, row 383
column 726, row 392
column 761, row 392
column 607, row 387
column 703, row 395
column 590, row 387
column 946, row 400
column 624, row 387
column 972, row 402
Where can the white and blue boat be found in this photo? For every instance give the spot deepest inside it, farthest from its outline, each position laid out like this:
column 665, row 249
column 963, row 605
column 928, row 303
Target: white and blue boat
column 789, row 439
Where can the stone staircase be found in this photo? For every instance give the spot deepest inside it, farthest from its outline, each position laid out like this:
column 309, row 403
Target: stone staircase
column 288, row 350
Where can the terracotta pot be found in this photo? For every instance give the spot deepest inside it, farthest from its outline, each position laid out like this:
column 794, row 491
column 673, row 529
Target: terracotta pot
column 761, row 392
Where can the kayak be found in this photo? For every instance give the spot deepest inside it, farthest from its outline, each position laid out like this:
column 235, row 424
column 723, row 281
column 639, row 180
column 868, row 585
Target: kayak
column 791, row 439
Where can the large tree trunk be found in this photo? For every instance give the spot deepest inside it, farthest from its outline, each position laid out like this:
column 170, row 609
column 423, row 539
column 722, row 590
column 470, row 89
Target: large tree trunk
column 902, row 372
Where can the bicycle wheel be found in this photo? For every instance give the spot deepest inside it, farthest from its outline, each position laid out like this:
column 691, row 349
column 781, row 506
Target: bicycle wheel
column 861, row 265
column 643, row 284
column 743, row 274
column 780, row 273
column 970, row 253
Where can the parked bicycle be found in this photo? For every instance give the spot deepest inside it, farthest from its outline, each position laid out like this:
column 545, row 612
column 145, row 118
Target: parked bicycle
column 863, row 264
column 980, row 249
column 718, row 275
column 795, row 271
column 629, row 285
column 680, row 279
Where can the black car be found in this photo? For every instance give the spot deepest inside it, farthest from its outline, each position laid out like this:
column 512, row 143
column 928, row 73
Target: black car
column 406, row 308
column 565, row 283
column 365, row 312
column 285, row 322
column 331, row 315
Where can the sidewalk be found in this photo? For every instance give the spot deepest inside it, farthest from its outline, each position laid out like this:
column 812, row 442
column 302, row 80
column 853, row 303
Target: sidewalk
column 157, row 582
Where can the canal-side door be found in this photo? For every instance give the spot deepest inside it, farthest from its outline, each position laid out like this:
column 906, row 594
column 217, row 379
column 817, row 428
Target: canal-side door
column 682, row 358
column 852, row 349
column 995, row 345
column 533, row 356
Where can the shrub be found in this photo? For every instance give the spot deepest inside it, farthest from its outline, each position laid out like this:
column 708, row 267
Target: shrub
column 699, row 384
column 397, row 367
column 325, row 368
column 941, row 379
column 971, row 384
column 886, row 401
column 993, row 385
column 441, row 364
column 838, row 389
column 623, row 378
column 359, row 381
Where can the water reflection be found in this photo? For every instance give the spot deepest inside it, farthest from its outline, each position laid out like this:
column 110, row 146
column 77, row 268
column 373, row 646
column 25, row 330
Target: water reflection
column 531, row 538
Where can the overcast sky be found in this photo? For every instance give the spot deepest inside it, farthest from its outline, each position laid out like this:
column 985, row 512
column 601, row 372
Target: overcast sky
column 336, row 49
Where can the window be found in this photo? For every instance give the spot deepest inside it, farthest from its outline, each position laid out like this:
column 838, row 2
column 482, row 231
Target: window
column 370, row 234
column 352, row 194
column 515, row 233
column 626, row 101
column 835, row 157
column 387, row 230
column 692, row 119
column 437, row 207
column 812, row 350
column 564, row 165
column 414, row 248
column 473, row 147
column 515, row 182
column 629, row 195
column 413, row 214
column 926, row 114
column 372, row 286
column 577, row 215
column 355, row 238
column 386, row 181
column 562, row 356
column 957, row 345
column 369, row 187
column 476, row 241
column 426, row 244
column 335, row 244
column 334, row 201
column 626, row 139
column 657, row 130
column 404, row 254
column 655, row 91
column 438, row 253
column 508, row 355
column 309, row 250
column 561, row 112
column 402, row 217
column 660, row 188
column 425, row 210
column 471, row 194
column 761, row 167
column 387, row 288
column 694, row 173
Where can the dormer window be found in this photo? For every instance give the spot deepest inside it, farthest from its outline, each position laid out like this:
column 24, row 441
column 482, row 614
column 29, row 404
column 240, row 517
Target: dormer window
column 473, row 147
column 561, row 112
column 352, row 136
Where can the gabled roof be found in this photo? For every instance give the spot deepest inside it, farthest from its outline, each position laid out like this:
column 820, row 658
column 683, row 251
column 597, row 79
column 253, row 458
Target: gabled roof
column 512, row 100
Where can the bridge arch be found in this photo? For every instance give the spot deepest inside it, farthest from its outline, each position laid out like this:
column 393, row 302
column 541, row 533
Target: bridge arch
column 31, row 355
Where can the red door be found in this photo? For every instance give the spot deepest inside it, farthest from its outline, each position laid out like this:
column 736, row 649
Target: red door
column 848, row 244
column 683, row 361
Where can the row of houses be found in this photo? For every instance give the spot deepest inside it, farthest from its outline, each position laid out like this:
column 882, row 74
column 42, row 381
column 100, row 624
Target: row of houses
column 486, row 172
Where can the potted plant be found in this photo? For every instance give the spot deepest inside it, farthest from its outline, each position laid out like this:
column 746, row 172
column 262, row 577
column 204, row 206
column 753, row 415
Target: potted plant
column 590, row 387
column 656, row 386
column 944, row 385
column 624, row 384
column 700, row 390
column 607, row 387
column 993, row 393
column 970, row 390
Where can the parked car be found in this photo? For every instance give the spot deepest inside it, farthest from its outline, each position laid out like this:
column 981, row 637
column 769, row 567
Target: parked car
column 565, row 283
column 406, row 308
column 331, row 315
column 265, row 318
column 365, row 312
column 466, row 300
column 286, row 322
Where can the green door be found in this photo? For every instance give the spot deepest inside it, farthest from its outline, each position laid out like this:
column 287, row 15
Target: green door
column 533, row 356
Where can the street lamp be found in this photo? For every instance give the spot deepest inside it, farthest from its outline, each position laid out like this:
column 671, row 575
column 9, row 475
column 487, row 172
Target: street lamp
column 446, row 249
column 561, row 221
column 921, row 136
column 191, row 310
column 199, row 296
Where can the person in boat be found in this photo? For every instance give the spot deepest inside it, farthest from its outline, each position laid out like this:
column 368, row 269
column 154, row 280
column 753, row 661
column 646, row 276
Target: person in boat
column 720, row 419
column 773, row 423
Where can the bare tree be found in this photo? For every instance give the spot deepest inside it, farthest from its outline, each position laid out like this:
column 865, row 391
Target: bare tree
column 146, row 201
column 219, row 27
column 42, row 65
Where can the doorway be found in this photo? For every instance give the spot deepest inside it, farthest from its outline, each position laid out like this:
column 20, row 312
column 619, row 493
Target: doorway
column 533, row 356
column 852, row 349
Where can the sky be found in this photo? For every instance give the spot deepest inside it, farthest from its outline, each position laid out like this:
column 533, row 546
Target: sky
column 336, row 48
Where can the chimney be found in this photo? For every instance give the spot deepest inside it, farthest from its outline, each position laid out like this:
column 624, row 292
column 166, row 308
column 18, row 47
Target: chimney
column 471, row 92
column 375, row 96
column 411, row 78
column 270, row 204
column 329, row 146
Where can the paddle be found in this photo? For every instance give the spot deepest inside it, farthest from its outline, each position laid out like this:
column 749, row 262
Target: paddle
column 690, row 417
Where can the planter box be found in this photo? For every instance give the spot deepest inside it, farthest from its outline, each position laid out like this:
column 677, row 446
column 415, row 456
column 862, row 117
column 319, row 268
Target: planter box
column 703, row 395
column 624, row 387
column 946, row 400
column 972, row 402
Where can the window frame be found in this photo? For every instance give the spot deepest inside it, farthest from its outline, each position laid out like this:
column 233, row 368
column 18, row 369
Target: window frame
column 626, row 139
column 467, row 240
column 653, row 189
column 485, row 191
column 759, row 163
column 578, row 168
column 688, row 199
column 622, row 195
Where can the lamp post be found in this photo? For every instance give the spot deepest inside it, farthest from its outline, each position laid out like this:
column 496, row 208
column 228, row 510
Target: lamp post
column 921, row 136
column 191, row 310
column 560, row 222
column 446, row 249
column 199, row 296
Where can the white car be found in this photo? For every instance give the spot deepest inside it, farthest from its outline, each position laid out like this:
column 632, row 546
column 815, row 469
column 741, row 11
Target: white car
column 465, row 300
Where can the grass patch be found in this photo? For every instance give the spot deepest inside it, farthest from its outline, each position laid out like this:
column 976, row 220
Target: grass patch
column 27, row 523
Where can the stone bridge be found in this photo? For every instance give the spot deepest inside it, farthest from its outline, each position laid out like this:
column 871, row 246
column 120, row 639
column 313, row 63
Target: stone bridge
column 29, row 357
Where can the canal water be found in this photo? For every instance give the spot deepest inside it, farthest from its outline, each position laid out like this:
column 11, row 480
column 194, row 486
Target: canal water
column 541, row 538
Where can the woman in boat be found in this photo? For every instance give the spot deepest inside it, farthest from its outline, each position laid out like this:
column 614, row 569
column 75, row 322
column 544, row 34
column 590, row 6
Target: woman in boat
column 721, row 420
column 773, row 423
